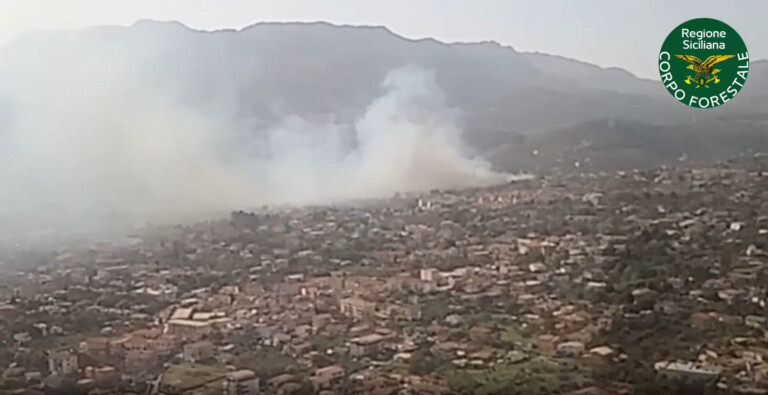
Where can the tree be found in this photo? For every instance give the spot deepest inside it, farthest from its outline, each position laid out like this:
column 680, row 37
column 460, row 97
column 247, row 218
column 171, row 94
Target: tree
column 306, row 388
column 424, row 362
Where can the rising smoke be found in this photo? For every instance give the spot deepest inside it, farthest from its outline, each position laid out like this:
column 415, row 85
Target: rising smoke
column 94, row 145
column 407, row 140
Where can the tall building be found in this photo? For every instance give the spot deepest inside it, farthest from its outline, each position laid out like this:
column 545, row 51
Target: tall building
column 62, row 361
column 357, row 308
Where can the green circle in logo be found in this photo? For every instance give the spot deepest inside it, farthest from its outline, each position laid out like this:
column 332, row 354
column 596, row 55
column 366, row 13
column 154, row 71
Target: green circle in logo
column 703, row 63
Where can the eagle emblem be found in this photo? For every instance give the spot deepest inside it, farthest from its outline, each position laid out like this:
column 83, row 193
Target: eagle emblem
column 705, row 71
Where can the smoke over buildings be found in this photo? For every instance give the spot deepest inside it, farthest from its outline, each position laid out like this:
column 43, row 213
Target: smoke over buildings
column 87, row 141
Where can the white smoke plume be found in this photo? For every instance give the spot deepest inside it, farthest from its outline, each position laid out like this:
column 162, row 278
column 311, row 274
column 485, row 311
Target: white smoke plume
column 407, row 140
column 102, row 147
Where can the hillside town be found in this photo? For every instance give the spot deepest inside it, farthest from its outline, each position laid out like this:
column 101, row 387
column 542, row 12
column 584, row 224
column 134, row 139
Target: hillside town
column 636, row 282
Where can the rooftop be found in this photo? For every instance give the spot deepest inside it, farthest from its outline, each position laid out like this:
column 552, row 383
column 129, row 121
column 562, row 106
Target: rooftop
column 368, row 339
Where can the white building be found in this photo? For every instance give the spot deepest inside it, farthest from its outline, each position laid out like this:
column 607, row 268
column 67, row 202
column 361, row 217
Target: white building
column 687, row 369
column 428, row 275
column 241, row 382
column 62, row 362
column 572, row 349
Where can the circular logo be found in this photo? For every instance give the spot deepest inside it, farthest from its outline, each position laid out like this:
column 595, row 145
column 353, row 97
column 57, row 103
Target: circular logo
column 703, row 63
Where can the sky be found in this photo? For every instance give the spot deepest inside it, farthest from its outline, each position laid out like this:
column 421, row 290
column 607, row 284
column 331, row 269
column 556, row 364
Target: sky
column 609, row 33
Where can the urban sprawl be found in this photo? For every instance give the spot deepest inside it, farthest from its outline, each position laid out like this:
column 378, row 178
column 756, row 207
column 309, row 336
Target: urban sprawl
column 634, row 282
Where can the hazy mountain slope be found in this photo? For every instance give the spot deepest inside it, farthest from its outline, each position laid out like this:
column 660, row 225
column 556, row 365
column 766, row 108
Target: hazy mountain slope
column 275, row 69
column 590, row 76
column 269, row 71
column 753, row 98
column 610, row 144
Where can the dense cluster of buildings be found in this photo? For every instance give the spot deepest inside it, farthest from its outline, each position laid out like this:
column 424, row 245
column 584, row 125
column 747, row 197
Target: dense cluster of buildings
column 590, row 283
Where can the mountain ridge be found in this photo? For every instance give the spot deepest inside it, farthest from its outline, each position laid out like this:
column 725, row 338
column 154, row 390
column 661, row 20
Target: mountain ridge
column 160, row 22
column 270, row 70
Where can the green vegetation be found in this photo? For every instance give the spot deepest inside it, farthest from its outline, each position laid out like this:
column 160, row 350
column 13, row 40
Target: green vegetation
column 266, row 362
column 425, row 362
column 435, row 309
column 180, row 378
column 323, row 342
column 398, row 367
column 536, row 376
column 510, row 335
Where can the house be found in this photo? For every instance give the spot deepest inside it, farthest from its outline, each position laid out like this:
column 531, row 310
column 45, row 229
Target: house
column 403, row 282
column 277, row 382
column 642, row 295
column 380, row 385
column 688, row 370
column 62, row 361
column 103, row 375
column 483, row 356
column 447, row 349
column 428, row 274
column 427, row 386
column 288, row 389
column 319, row 321
column 33, row 377
column 84, row 385
column 570, row 349
column 302, row 331
column 537, row 267
column 97, row 345
column 297, row 349
column 479, row 334
column 198, row 351
column 140, row 360
column 279, row 338
column 365, row 345
column 546, row 343
column 602, row 352
column 164, row 344
column 327, row 377
column 230, row 290
column 585, row 335
column 356, row 308
column 600, row 355
column 136, row 343
column 410, row 312
column 22, row 338
column 189, row 330
column 7, row 311
column 755, row 321
column 241, row 382
column 702, row 319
